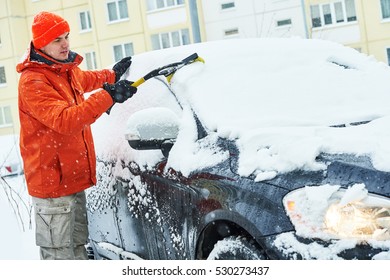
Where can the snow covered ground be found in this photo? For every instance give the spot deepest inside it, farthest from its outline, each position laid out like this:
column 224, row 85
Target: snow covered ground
column 17, row 236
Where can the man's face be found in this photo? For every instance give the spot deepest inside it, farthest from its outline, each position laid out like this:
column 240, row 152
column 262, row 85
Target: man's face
column 58, row 48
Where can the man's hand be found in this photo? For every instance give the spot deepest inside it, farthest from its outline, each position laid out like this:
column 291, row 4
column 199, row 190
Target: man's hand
column 121, row 67
column 120, row 91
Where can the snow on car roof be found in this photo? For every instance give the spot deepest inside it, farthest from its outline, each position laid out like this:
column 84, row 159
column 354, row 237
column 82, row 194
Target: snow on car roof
column 278, row 98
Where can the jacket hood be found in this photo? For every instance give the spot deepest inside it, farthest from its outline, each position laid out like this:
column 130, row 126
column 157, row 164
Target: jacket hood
column 34, row 58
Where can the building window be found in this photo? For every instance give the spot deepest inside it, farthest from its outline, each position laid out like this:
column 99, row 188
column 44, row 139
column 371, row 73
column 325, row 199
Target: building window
column 315, row 16
column 333, row 13
column 231, row 32
column 90, row 59
column 161, row 4
column 170, row 39
column 3, row 79
column 338, row 10
column 327, row 14
column 85, row 21
column 388, row 56
column 385, row 7
column 5, row 116
column 124, row 50
column 350, row 10
column 283, row 22
column 228, row 5
column 117, row 10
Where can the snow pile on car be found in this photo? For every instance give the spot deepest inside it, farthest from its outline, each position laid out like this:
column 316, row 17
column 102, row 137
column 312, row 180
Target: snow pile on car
column 284, row 101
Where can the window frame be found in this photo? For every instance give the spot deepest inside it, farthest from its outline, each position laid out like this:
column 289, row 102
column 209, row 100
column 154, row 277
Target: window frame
column 382, row 12
column 3, row 82
column 231, row 32
column 333, row 14
column 90, row 60
column 123, row 49
column 5, row 121
column 118, row 11
column 183, row 34
column 388, row 55
column 152, row 5
column 336, row 12
column 287, row 24
column 88, row 22
column 224, row 6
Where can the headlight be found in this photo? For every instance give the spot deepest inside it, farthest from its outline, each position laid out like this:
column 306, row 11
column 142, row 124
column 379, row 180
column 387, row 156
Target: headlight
column 330, row 212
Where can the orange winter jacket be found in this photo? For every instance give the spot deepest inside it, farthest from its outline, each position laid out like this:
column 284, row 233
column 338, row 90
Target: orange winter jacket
column 56, row 142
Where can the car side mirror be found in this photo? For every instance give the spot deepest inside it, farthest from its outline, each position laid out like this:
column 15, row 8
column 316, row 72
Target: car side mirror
column 152, row 128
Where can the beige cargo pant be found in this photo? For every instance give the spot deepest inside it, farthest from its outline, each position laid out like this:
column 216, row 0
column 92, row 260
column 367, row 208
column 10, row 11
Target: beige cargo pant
column 61, row 227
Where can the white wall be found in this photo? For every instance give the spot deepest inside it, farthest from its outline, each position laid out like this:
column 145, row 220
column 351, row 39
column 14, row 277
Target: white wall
column 347, row 34
column 253, row 18
column 166, row 18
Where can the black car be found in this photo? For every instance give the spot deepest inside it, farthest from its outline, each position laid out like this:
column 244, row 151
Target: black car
column 270, row 149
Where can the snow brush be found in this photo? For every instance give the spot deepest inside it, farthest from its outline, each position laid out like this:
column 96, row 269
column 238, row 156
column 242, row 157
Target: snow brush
column 169, row 69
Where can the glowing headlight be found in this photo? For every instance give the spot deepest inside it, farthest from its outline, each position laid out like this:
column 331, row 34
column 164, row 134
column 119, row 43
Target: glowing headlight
column 358, row 220
column 330, row 212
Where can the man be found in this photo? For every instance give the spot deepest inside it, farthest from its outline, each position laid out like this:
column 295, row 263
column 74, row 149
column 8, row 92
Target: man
column 55, row 138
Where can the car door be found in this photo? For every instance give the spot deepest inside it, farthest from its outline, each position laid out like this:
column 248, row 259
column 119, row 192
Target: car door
column 158, row 219
column 102, row 214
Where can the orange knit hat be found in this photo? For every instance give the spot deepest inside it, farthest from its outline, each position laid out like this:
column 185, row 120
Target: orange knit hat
column 46, row 27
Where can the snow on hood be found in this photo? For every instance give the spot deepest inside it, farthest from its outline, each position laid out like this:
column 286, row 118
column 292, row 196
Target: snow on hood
column 278, row 98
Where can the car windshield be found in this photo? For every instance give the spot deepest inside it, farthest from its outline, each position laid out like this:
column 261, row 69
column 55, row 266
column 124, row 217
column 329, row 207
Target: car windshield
column 283, row 101
column 280, row 83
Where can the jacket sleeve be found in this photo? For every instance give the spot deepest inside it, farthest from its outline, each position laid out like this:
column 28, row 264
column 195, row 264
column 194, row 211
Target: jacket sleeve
column 91, row 80
column 39, row 99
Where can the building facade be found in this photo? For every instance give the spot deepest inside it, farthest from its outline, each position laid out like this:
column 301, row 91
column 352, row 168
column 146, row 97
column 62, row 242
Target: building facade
column 361, row 24
column 376, row 21
column 253, row 18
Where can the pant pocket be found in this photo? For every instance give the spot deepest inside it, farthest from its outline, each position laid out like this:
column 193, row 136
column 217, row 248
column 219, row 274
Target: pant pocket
column 53, row 226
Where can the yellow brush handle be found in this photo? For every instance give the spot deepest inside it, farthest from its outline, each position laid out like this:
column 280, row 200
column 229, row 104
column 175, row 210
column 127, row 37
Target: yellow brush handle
column 197, row 59
column 138, row 82
column 169, row 77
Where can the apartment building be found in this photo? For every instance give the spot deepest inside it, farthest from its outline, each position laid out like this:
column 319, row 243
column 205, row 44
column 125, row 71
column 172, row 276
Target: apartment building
column 361, row 24
column 225, row 19
column 335, row 21
column 102, row 31
column 376, row 15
